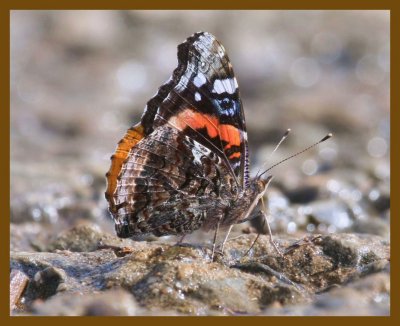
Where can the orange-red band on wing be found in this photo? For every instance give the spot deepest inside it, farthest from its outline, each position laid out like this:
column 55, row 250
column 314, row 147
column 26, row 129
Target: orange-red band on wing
column 228, row 133
column 231, row 135
column 234, row 155
column 197, row 121
column 131, row 138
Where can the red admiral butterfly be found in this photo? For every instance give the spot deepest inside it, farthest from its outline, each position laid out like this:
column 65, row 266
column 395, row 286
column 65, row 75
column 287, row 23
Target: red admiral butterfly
column 185, row 166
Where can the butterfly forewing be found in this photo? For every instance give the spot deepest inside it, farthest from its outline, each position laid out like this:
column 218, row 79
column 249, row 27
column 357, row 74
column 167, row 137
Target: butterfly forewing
column 202, row 99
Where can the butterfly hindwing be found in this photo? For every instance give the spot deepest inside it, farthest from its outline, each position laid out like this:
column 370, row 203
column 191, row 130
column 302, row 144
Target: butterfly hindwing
column 172, row 190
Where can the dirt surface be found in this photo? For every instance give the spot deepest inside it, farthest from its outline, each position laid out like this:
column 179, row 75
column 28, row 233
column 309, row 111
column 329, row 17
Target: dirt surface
column 184, row 280
column 79, row 79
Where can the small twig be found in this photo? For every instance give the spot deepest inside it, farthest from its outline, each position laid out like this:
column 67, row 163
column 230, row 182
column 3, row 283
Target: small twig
column 214, row 241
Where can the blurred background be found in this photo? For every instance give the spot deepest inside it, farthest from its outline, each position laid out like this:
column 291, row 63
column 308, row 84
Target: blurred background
column 79, row 79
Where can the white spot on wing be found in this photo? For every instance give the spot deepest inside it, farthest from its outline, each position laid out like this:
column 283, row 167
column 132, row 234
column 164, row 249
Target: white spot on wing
column 225, row 85
column 197, row 96
column 199, row 151
column 199, row 80
column 218, row 86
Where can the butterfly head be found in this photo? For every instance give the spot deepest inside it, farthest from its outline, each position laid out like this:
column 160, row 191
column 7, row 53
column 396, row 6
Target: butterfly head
column 260, row 185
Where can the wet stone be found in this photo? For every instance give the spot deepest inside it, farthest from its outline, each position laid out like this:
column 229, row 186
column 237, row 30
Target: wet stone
column 47, row 282
column 368, row 296
column 355, row 250
column 331, row 212
column 160, row 277
column 302, row 195
column 28, row 236
column 379, row 197
column 374, row 226
column 81, row 238
column 116, row 302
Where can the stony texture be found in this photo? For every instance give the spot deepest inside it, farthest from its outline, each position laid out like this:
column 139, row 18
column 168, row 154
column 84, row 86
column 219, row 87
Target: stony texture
column 183, row 280
column 369, row 296
column 107, row 303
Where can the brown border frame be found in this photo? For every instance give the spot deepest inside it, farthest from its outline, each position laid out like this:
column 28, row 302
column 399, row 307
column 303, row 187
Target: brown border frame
column 7, row 5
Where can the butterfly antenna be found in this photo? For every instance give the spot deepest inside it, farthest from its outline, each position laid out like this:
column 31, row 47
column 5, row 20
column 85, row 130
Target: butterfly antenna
column 275, row 149
column 298, row 153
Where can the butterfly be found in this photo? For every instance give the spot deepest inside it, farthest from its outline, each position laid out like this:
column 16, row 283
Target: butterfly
column 185, row 165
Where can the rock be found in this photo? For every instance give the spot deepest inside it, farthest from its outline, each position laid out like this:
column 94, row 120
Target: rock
column 380, row 198
column 355, row 250
column 84, row 237
column 368, row 296
column 47, row 282
column 116, row 302
column 28, row 236
column 183, row 280
column 302, row 195
column 375, row 226
column 330, row 213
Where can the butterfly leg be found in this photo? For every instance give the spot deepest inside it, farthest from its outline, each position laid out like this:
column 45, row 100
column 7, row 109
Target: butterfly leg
column 269, row 228
column 270, row 235
column 226, row 238
column 254, row 242
column 215, row 240
column 180, row 240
